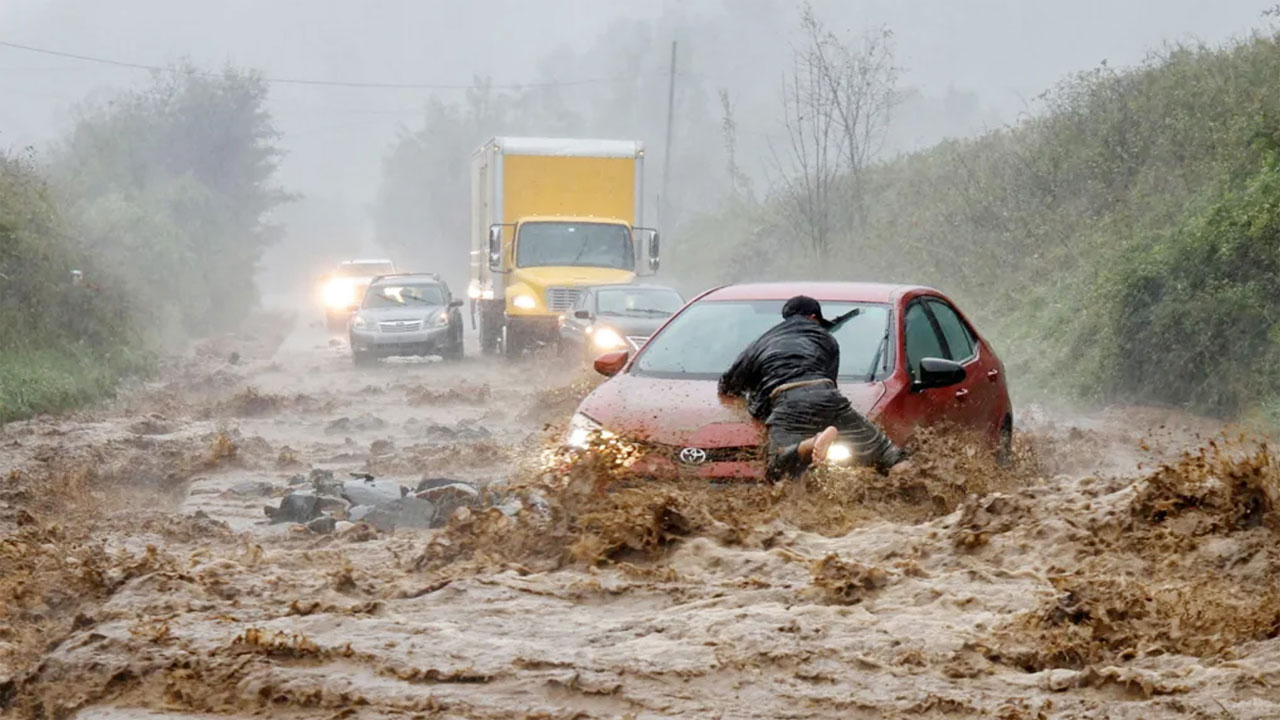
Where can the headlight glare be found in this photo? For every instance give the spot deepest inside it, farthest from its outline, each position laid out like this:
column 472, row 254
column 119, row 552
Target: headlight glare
column 839, row 454
column 524, row 302
column 582, row 430
column 606, row 338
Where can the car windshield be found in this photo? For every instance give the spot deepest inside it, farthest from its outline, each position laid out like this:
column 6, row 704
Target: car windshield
column 544, row 244
column 638, row 302
column 704, row 340
column 383, row 296
column 365, row 269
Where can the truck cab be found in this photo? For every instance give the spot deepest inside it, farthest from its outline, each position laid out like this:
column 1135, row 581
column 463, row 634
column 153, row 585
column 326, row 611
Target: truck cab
column 550, row 217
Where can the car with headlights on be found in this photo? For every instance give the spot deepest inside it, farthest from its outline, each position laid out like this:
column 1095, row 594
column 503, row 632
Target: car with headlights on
column 407, row 314
column 909, row 358
column 615, row 317
column 342, row 289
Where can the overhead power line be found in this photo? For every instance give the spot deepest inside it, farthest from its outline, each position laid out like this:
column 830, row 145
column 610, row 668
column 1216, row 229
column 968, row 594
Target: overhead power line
column 323, row 83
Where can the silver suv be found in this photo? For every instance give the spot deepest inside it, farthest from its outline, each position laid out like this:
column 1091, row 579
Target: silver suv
column 406, row 314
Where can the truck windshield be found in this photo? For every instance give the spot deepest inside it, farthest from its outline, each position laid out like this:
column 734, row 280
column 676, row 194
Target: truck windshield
column 543, row 244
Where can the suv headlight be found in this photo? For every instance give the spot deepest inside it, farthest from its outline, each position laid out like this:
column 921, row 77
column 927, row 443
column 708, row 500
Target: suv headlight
column 441, row 318
column 581, row 431
column 606, row 338
column 359, row 323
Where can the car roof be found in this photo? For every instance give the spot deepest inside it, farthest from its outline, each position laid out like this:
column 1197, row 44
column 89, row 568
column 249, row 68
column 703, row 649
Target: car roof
column 631, row 286
column 830, row 291
column 401, row 277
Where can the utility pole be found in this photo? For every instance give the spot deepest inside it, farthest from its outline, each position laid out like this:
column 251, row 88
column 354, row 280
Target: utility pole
column 666, row 151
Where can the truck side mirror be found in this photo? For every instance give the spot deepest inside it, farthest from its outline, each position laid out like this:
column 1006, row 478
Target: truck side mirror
column 582, row 314
column 653, row 252
column 495, row 248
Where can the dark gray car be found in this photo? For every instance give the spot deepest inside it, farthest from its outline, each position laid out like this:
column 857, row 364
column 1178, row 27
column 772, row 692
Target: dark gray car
column 616, row 317
column 409, row 314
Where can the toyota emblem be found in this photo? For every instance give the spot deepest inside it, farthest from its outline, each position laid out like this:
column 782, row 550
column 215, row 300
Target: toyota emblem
column 693, row 456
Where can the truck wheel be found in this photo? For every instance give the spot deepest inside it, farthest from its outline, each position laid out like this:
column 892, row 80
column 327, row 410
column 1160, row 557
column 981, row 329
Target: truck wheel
column 489, row 334
column 510, row 342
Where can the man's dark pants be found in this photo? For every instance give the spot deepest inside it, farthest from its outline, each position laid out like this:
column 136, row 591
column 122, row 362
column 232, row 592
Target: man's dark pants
column 803, row 412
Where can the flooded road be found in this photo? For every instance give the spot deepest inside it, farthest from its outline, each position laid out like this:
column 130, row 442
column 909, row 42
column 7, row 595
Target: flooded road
column 1104, row 574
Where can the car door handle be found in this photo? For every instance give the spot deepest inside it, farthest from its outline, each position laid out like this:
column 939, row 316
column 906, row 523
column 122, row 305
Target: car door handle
column 962, row 394
column 993, row 375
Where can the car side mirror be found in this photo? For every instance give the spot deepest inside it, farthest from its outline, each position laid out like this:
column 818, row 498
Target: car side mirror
column 582, row 314
column 495, row 248
column 455, row 303
column 654, row 252
column 938, row 373
column 611, row 363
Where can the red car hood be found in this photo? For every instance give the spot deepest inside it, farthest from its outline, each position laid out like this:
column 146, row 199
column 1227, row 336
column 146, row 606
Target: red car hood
column 688, row 412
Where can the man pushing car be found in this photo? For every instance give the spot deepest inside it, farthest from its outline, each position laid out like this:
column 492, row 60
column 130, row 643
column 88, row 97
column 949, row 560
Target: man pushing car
column 789, row 378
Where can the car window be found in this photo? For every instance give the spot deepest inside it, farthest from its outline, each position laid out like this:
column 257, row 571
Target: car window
column 921, row 338
column 959, row 340
column 704, row 339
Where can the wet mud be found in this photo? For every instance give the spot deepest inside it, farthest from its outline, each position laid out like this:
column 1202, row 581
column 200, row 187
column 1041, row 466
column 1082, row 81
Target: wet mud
column 1123, row 564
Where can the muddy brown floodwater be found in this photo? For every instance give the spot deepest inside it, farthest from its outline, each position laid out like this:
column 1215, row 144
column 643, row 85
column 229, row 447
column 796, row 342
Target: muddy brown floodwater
column 1125, row 566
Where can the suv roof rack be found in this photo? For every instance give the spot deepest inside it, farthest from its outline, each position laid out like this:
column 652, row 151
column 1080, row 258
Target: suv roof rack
column 434, row 276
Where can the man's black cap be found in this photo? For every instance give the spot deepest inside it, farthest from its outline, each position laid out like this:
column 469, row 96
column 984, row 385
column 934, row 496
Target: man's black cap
column 805, row 306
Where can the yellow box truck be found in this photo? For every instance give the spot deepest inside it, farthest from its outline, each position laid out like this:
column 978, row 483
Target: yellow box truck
column 548, row 217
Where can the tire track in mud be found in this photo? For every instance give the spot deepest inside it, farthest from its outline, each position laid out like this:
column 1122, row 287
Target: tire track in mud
column 1069, row 585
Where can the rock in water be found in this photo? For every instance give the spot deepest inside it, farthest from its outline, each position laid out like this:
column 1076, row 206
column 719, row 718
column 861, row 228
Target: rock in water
column 322, row 525
column 409, row 512
column 448, row 498
column 377, row 492
column 298, row 507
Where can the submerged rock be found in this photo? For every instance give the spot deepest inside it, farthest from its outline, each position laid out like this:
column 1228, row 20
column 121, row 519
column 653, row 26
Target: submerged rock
column 372, row 492
column 405, row 513
column 298, row 507
column 323, row 525
column 251, row 488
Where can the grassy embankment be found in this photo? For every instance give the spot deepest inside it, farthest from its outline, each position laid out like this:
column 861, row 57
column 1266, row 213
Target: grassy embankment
column 1120, row 245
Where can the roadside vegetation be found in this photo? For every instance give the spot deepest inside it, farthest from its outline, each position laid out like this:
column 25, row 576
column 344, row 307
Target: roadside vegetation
column 1121, row 244
column 157, row 200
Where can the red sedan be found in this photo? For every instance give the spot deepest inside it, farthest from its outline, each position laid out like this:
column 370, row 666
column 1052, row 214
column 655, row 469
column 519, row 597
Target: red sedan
column 909, row 358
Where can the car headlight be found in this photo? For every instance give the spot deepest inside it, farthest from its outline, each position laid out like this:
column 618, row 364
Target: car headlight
column 339, row 294
column 839, row 453
column 524, row 302
column 359, row 323
column 581, row 431
column 441, row 318
column 606, row 338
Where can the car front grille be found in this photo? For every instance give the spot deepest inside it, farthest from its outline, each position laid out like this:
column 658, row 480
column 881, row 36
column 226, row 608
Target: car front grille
column 562, row 298
column 395, row 326
column 748, row 453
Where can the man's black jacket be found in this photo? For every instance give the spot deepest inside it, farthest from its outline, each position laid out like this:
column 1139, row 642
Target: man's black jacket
column 793, row 350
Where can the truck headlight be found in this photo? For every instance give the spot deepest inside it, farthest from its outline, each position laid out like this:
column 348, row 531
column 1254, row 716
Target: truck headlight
column 524, row 302
column 606, row 338
column 581, row 431
column 839, row 453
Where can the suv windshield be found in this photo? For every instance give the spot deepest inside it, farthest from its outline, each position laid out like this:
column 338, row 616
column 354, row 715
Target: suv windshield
column 365, row 269
column 704, row 340
column 637, row 302
column 543, row 244
column 422, row 295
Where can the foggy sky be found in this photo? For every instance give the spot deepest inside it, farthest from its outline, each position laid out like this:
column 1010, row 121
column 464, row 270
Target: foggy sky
column 998, row 53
